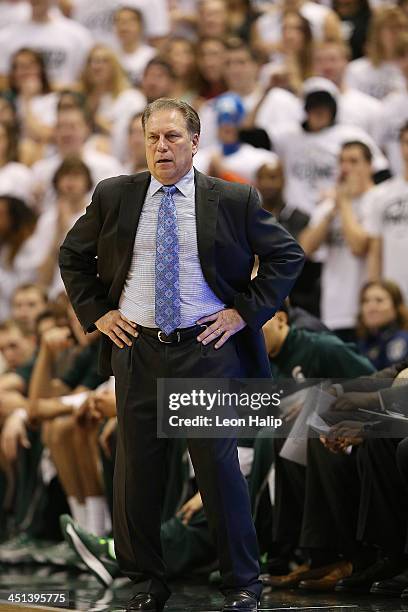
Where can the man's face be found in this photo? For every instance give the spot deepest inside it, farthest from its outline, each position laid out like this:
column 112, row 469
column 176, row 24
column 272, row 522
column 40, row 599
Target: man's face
column 40, row 4
column 73, row 186
column 270, row 182
column 71, row 131
column 330, row 63
column 157, row 83
column 212, row 18
column 240, row 69
column 15, row 348
column 26, row 306
column 169, row 146
column 353, row 165
column 228, row 133
column 127, row 25
column 318, row 118
column 404, row 147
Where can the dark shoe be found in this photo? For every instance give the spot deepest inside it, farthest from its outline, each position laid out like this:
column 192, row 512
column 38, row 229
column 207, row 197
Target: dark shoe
column 361, row 582
column 329, row 581
column 394, row 587
column 240, row 601
column 144, row 602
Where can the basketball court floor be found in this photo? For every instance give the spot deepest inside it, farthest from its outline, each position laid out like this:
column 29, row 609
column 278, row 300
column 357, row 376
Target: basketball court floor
column 196, row 595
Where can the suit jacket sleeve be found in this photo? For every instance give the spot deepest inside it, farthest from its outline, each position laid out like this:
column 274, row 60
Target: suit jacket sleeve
column 78, row 265
column 281, row 260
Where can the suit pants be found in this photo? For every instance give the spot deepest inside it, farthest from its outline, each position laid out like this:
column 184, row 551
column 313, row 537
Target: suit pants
column 140, row 468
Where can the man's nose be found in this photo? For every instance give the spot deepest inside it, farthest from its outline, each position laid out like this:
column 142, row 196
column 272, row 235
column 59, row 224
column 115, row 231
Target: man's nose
column 162, row 145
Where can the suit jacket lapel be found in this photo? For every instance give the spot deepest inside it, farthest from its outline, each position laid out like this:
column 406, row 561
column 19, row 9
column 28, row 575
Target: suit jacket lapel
column 132, row 200
column 206, row 208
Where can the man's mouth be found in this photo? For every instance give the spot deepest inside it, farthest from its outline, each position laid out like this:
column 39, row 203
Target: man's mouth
column 163, row 161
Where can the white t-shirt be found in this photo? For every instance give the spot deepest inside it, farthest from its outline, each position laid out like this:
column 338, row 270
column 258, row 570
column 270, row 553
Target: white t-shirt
column 43, row 108
column 64, row 44
column 101, row 166
column 16, row 180
column 376, row 81
column 394, row 115
column 245, row 162
column 135, row 63
column 310, row 160
column 359, row 109
column 388, row 219
column 279, row 107
column 269, row 25
column 97, row 16
column 13, row 12
column 343, row 273
column 116, row 109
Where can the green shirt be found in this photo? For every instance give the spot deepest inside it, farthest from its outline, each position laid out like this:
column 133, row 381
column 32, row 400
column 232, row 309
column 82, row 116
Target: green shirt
column 318, row 355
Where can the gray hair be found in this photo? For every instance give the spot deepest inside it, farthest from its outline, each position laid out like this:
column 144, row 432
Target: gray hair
column 190, row 115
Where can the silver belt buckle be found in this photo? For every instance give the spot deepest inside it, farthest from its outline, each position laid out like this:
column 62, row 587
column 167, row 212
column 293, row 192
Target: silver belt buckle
column 160, row 332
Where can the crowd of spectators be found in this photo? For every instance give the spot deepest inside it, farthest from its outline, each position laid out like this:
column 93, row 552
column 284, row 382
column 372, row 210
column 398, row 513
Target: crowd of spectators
column 308, row 102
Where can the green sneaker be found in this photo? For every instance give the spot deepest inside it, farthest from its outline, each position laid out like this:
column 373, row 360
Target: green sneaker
column 97, row 553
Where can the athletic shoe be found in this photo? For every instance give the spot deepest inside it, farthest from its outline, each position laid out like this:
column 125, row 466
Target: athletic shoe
column 97, row 553
column 20, row 549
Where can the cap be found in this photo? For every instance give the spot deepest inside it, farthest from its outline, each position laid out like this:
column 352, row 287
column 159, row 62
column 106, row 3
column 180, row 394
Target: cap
column 229, row 109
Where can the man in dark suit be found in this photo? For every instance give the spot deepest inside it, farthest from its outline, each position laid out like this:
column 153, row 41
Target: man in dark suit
column 161, row 264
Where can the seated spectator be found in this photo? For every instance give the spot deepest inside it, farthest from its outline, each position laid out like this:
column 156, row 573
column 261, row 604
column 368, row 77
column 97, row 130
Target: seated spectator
column 107, row 89
column 293, row 53
column 133, row 52
column 24, row 242
column 388, row 223
column 64, row 43
column 211, row 68
column 17, row 346
column 72, row 133
column 72, row 183
column 15, row 177
column 212, row 19
column 28, row 302
column 377, row 74
column 355, row 19
column 382, row 327
column 36, row 103
column 340, row 224
column 181, row 55
column 230, row 154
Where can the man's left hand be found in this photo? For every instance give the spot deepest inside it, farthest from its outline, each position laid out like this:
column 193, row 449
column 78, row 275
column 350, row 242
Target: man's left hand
column 225, row 324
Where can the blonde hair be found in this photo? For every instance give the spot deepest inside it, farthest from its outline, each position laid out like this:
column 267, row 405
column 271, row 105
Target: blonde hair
column 382, row 16
column 119, row 80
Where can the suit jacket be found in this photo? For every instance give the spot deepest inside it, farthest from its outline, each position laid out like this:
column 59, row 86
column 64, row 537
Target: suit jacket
column 231, row 227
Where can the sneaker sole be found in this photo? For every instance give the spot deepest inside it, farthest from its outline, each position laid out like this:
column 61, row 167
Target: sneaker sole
column 93, row 564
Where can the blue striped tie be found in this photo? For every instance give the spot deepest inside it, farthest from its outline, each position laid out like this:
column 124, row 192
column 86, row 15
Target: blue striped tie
column 167, row 285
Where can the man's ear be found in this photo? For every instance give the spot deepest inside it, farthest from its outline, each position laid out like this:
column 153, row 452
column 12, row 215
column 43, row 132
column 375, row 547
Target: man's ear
column 195, row 140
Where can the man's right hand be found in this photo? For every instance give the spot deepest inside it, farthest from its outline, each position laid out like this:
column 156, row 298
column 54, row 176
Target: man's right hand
column 115, row 325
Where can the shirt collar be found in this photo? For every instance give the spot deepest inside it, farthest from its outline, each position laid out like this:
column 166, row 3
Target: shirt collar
column 184, row 185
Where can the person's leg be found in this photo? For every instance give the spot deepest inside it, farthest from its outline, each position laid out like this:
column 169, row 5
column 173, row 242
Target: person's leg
column 223, row 488
column 140, row 467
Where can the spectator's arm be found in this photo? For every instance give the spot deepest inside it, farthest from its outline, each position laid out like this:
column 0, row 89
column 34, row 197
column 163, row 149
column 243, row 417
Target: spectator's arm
column 356, row 237
column 12, row 382
column 311, row 238
column 374, row 259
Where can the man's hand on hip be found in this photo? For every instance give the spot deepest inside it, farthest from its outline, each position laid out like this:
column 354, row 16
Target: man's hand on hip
column 225, row 324
column 117, row 327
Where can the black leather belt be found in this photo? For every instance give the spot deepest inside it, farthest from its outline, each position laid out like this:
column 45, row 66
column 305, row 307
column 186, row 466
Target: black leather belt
column 178, row 335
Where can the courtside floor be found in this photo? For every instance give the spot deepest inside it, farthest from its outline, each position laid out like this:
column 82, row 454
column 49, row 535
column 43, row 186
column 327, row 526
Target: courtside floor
column 86, row 594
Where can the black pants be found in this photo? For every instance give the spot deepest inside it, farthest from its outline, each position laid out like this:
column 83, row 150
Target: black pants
column 140, row 469
column 384, row 499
